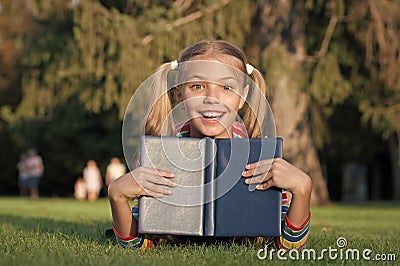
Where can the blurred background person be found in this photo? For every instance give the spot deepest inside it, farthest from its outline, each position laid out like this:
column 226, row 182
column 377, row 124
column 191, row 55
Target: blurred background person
column 114, row 170
column 33, row 164
column 80, row 189
column 93, row 180
column 22, row 175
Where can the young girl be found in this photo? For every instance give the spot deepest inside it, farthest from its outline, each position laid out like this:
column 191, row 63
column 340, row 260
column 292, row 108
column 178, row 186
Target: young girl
column 212, row 108
column 93, row 180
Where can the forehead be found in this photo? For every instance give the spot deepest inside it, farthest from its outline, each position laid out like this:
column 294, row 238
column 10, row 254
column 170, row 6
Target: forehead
column 220, row 58
column 210, row 71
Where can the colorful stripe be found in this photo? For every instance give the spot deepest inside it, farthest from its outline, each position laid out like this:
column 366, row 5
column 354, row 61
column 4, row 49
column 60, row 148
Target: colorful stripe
column 133, row 241
column 238, row 130
column 293, row 237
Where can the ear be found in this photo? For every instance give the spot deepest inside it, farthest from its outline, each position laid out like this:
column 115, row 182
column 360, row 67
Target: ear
column 178, row 93
column 243, row 96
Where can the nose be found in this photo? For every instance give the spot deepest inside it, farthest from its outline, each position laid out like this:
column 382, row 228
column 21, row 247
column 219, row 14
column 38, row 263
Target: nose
column 212, row 94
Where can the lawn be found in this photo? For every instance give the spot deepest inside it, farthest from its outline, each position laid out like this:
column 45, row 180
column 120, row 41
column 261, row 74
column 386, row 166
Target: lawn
column 66, row 232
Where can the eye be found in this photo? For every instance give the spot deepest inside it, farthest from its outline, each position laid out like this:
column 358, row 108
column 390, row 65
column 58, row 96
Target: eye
column 197, row 86
column 227, row 87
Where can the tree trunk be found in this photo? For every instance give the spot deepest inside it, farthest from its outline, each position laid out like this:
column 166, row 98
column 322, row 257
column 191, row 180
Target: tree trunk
column 277, row 42
column 290, row 107
column 394, row 151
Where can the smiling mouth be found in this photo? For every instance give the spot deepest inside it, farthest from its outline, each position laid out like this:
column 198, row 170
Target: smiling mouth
column 211, row 114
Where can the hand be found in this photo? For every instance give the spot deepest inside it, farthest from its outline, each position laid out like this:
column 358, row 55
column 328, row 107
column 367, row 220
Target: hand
column 142, row 181
column 278, row 172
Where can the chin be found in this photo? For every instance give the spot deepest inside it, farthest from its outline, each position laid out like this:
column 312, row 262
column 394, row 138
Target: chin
column 213, row 133
column 213, row 130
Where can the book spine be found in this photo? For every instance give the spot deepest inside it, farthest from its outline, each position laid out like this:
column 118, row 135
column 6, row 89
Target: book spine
column 209, row 187
column 141, row 162
column 279, row 148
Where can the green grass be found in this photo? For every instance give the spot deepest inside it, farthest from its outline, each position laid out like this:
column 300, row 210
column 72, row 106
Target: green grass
column 67, row 232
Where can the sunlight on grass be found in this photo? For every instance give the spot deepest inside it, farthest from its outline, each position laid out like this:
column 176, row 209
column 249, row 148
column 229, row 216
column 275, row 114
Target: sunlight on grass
column 67, row 232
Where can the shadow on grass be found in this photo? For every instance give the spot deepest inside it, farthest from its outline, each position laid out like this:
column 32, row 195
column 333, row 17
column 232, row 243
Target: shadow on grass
column 88, row 231
column 96, row 231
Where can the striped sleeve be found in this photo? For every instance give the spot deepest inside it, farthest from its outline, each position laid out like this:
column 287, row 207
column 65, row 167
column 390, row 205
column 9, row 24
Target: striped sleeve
column 292, row 236
column 134, row 241
column 239, row 130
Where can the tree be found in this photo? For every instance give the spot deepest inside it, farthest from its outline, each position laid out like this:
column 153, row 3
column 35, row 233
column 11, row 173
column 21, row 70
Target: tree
column 99, row 53
column 281, row 51
column 215, row 20
column 361, row 66
column 52, row 116
column 14, row 23
column 350, row 50
column 376, row 24
column 81, row 64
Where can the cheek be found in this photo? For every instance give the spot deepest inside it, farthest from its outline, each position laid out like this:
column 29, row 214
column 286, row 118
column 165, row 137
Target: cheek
column 192, row 103
column 233, row 103
column 186, row 95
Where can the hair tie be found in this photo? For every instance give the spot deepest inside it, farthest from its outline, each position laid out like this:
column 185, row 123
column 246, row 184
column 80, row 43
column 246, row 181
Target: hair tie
column 249, row 69
column 174, row 65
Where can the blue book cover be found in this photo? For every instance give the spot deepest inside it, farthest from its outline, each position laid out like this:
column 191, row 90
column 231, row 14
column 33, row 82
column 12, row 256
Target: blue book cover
column 211, row 198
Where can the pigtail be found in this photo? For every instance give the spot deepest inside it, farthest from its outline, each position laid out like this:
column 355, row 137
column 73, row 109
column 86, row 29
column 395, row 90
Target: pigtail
column 256, row 108
column 159, row 120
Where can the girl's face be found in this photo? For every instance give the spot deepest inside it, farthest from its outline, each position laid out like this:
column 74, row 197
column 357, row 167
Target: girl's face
column 212, row 94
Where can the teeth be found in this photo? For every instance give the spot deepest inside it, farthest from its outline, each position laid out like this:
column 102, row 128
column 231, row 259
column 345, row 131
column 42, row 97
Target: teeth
column 212, row 114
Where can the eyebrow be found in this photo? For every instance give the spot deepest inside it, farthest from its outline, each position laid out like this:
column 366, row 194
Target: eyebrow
column 202, row 78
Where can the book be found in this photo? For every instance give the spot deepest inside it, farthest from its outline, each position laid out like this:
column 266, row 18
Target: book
column 211, row 198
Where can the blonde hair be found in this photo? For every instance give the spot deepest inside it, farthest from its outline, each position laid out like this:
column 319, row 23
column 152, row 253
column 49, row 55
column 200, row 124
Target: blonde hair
column 159, row 122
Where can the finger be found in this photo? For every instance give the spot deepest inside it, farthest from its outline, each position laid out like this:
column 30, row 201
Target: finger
column 257, row 168
column 158, row 172
column 161, row 180
column 255, row 179
column 152, row 188
column 260, row 163
column 260, row 170
column 155, row 195
column 247, row 173
column 145, row 191
column 157, row 176
column 259, row 178
column 165, row 173
column 253, row 171
column 266, row 185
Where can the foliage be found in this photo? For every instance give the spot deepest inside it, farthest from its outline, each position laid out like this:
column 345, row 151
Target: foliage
column 81, row 63
column 14, row 24
column 102, row 55
column 70, row 68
